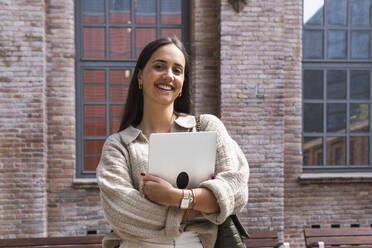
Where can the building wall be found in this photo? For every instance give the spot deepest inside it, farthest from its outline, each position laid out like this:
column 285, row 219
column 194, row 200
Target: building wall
column 71, row 210
column 205, row 57
column 252, row 56
column 232, row 55
column 23, row 120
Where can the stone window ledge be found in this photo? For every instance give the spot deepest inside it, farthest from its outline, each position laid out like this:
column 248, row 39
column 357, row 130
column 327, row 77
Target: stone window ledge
column 85, row 183
column 336, row 177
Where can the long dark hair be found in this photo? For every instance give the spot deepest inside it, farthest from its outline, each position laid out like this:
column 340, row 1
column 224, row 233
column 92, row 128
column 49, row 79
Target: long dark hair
column 133, row 108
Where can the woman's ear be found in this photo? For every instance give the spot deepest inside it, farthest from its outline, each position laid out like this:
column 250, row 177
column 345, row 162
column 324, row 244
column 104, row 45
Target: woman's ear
column 139, row 75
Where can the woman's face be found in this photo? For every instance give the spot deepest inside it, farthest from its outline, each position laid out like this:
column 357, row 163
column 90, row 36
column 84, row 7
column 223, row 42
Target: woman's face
column 163, row 76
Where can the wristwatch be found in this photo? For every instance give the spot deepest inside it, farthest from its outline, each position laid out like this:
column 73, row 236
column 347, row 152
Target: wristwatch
column 187, row 199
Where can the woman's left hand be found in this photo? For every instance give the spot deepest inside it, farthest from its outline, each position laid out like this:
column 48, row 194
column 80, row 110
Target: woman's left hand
column 160, row 191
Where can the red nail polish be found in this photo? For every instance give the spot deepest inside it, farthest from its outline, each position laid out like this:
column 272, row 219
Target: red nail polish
column 143, row 174
column 213, row 177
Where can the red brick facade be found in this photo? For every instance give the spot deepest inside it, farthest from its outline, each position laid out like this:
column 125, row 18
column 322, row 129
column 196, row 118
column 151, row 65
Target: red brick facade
column 232, row 56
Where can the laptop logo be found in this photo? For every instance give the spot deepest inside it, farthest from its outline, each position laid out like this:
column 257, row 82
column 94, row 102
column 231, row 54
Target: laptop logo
column 182, row 180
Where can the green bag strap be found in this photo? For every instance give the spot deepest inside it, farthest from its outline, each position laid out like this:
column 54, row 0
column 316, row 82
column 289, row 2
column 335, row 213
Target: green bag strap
column 234, row 217
column 198, row 125
column 239, row 226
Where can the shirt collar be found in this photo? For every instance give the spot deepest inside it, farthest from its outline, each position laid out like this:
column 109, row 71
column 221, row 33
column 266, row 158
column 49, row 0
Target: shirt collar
column 129, row 134
column 184, row 121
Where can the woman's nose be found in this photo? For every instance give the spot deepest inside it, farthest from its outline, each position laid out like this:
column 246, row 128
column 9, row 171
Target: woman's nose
column 168, row 75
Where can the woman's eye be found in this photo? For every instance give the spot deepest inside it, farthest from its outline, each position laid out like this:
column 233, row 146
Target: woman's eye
column 177, row 71
column 158, row 67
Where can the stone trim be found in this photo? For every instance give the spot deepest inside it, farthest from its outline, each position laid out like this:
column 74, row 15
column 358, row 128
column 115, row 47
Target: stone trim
column 339, row 177
column 85, row 183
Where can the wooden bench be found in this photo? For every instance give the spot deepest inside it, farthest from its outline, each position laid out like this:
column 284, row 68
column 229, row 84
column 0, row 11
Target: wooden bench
column 345, row 237
column 264, row 239
column 93, row 241
column 257, row 239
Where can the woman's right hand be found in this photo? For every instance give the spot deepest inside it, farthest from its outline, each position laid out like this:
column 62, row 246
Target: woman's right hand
column 160, row 191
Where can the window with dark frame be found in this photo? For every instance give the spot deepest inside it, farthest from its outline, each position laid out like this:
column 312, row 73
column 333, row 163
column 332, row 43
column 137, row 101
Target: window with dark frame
column 110, row 35
column 337, row 69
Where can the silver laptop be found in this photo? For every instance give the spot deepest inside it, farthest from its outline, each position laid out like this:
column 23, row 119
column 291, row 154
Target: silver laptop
column 183, row 159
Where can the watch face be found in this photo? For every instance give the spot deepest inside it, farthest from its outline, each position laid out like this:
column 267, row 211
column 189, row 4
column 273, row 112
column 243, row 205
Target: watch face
column 184, row 203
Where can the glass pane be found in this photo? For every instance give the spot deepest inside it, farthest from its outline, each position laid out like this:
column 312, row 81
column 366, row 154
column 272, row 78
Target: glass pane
column 119, row 85
column 313, row 12
column 313, row 84
column 94, row 120
column 336, row 44
column 359, row 85
column 120, row 43
column 360, row 44
column 94, row 76
column 312, row 44
column 359, row 150
column 91, row 163
column 336, row 151
column 120, row 11
column 360, row 12
column 94, row 88
column 170, row 11
column 93, row 147
column 115, row 117
column 144, row 36
column 336, row 12
column 94, row 127
column 93, row 11
column 313, row 117
column 121, row 77
column 313, row 151
column 94, row 93
column 171, row 32
column 118, row 93
column 336, row 117
column 94, row 111
column 336, row 84
column 145, row 11
column 359, row 117
column 94, row 43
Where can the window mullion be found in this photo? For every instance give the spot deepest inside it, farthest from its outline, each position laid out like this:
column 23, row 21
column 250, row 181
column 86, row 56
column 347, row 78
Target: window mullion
column 348, row 75
column 132, row 33
column 107, row 30
column 370, row 119
column 158, row 21
column 324, row 118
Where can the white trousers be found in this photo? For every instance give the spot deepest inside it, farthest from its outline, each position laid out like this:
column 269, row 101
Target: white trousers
column 185, row 240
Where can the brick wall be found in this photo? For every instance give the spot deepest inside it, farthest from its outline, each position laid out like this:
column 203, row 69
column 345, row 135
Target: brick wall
column 71, row 211
column 205, row 55
column 23, row 133
column 252, row 56
column 37, row 124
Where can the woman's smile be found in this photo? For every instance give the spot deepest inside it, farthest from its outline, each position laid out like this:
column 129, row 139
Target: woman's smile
column 164, row 87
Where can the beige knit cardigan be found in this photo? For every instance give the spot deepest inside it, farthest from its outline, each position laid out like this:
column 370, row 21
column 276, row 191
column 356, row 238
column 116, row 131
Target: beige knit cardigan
column 131, row 216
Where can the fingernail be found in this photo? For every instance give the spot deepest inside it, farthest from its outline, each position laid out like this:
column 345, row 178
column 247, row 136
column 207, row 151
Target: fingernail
column 143, row 174
column 213, row 177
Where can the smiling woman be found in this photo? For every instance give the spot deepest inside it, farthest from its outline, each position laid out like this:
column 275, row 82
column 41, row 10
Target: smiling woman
column 166, row 59
column 162, row 78
column 145, row 210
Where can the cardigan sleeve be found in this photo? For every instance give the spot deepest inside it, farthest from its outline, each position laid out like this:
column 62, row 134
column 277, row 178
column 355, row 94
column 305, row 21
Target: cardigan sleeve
column 230, row 185
column 129, row 214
